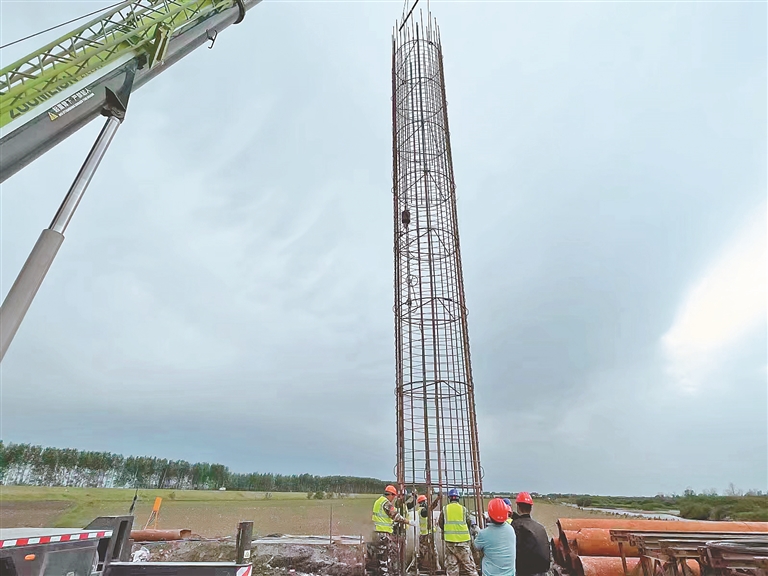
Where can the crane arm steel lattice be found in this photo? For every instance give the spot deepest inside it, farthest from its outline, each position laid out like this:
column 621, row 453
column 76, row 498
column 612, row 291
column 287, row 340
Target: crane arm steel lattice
column 141, row 35
column 437, row 444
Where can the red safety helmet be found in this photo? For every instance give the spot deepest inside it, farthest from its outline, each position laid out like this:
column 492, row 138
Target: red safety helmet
column 498, row 510
column 390, row 490
column 524, row 498
column 421, row 499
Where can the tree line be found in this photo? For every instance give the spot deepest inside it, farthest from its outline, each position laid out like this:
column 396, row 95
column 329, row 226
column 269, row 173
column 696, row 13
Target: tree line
column 29, row 465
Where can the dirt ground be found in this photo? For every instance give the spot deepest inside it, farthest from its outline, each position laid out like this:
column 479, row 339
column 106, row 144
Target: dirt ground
column 278, row 559
column 31, row 514
column 547, row 514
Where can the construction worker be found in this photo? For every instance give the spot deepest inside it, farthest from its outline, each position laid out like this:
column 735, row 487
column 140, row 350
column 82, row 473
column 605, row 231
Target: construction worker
column 387, row 545
column 497, row 541
column 456, row 524
column 508, row 502
column 533, row 554
column 427, row 550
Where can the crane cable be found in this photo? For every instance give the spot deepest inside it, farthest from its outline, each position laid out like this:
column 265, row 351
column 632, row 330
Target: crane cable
column 60, row 25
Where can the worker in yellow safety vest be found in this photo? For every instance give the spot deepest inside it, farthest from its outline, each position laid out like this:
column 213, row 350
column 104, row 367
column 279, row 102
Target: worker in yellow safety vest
column 386, row 542
column 427, row 550
column 508, row 502
column 457, row 524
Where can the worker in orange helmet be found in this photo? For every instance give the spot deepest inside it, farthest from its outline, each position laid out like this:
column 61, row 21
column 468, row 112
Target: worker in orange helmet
column 386, row 542
column 497, row 541
column 533, row 554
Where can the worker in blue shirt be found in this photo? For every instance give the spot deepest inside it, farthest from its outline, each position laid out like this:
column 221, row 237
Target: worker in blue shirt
column 497, row 542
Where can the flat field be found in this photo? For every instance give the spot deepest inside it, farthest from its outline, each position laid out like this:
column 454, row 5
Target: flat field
column 210, row 513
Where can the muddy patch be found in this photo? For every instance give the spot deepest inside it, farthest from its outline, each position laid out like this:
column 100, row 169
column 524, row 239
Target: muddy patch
column 24, row 514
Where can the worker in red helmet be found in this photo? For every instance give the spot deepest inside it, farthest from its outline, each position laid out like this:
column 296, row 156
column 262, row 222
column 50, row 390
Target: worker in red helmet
column 386, row 543
column 497, row 541
column 427, row 550
column 533, row 554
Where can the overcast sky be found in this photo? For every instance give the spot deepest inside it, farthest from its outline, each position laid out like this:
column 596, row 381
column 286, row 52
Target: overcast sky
column 224, row 292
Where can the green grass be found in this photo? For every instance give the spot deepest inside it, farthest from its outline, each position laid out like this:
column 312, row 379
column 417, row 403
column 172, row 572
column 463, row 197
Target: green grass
column 206, row 511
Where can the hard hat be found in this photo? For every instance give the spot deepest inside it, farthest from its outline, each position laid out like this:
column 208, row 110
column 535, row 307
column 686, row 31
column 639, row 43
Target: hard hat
column 453, row 493
column 498, row 510
column 421, row 498
column 507, row 501
column 524, row 498
column 390, row 490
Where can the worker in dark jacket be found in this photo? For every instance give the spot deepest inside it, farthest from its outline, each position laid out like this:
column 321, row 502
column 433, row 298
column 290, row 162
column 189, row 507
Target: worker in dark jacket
column 533, row 555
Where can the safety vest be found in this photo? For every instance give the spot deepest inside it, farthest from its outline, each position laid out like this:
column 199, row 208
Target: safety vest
column 425, row 528
column 508, row 520
column 455, row 524
column 381, row 520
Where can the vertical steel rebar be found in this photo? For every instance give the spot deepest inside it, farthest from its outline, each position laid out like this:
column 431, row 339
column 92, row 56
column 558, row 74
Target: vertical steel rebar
column 437, row 444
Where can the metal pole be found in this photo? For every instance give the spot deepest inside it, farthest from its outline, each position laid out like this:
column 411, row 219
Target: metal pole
column 32, row 274
column 83, row 179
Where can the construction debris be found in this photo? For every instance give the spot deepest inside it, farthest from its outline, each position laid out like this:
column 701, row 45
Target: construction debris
column 280, row 555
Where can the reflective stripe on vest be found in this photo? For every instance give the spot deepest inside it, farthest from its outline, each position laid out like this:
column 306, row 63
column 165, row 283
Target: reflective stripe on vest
column 381, row 520
column 455, row 527
column 425, row 529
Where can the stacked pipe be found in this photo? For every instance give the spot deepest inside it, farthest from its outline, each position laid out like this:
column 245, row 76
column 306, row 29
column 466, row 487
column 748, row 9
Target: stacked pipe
column 583, row 546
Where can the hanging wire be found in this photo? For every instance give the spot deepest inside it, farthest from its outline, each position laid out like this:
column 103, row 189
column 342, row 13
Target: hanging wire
column 62, row 24
column 405, row 18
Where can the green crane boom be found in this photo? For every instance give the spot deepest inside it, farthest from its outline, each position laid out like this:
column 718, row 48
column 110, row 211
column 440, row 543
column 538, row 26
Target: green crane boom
column 50, row 94
column 139, row 37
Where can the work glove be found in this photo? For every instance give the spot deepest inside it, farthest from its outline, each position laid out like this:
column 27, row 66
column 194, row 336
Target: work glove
column 414, row 523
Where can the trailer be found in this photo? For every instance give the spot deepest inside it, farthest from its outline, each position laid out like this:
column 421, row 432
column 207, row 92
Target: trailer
column 103, row 548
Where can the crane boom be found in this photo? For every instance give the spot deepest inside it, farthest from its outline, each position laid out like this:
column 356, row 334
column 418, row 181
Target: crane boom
column 51, row 93
column 48, row 95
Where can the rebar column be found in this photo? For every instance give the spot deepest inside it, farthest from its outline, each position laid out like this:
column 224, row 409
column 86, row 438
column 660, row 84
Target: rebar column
column 437, row 445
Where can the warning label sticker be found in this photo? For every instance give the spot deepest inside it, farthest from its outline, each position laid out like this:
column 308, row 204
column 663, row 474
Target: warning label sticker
column 69, row 104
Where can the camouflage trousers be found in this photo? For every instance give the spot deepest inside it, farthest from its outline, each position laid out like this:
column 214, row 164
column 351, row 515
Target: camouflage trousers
column 458, row 559
column 427, row 553
column 387, row 552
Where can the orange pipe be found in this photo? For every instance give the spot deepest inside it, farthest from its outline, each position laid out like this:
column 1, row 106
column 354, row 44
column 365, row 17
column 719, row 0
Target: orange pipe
column 556, row 554
column 596, row 542
column 160, row 535
column 565, row 551
column 661, row 525
column 603, row 566
column 580, row 536
column 611, row 566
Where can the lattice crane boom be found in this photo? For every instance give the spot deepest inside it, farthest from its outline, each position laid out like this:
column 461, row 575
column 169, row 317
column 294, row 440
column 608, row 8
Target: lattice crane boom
column 138, row 37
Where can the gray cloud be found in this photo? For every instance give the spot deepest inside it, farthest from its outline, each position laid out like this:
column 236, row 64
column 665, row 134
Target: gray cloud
column 230, row 267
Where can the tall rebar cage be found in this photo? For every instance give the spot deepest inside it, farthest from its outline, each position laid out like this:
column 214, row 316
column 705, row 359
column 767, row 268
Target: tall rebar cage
column 437, row 444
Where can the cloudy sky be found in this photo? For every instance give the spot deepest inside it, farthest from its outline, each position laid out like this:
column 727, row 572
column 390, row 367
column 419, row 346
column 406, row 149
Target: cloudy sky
column 224, row 292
